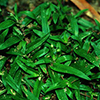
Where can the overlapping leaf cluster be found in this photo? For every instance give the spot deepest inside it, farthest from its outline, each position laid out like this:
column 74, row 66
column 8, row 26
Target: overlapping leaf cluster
column 49, row 53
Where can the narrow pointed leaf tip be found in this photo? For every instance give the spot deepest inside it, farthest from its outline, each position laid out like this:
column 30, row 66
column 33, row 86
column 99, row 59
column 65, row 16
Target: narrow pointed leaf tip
column 70, row 70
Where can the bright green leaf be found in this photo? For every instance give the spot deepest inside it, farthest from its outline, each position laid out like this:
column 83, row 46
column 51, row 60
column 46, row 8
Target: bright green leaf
column 13, row 84
column 6, row 24
column 37, row 87
column 57, row 85
column 70, row 70
column 64, row 58
column 32, row 72
column 2, row 91
column 45, row 26
column 85, row 88
column 2, row 62
column 9, row 42
column 85, row 23
column 74, row 26
column 3, row 35
column 80, row 13
column 28, row 94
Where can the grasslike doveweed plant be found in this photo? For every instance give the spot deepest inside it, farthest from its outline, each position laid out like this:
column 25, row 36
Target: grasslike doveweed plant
column 49, row 54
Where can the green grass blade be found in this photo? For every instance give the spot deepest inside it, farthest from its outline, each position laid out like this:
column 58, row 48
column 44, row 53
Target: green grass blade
column 45, row 26
column 77, row 94
column 18, row 77
column 3, row 35
column 69, row 93
column 6, row 24
column 85, row 23
column 28, row 13
column 80, row 13
column 28, row 94
column 9, row 42
column 89, row 57
column 74, row 26
column 14, row 68
column 40, row 53
column 60, row 92
column 40, row 42
column 27, row 69
column 39, row 33
column 30, row 63
column 2, row 91
column 64, row 58
column 13, row 84
column 58, row 85
column 37, row 87
column 2, row 62
column 6, row 97
column 70, row 70
column 85, row 88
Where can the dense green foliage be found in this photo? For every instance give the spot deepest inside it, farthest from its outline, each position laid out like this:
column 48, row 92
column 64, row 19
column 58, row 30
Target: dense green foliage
column 3, row 2
column 49, row 53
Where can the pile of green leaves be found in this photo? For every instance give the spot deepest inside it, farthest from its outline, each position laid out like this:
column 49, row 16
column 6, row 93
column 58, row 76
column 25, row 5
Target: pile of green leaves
column 49, row 53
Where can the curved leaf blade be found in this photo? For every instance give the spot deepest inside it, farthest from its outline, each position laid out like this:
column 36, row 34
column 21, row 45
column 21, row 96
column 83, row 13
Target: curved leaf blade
column 83, row 53
column 41, row 40
column 37, row 87
column 6, row 24
column 3, row 35
column 64, row 58
column 9, row 42
column 2, row 62
column 27, row 69
column 70, row 70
